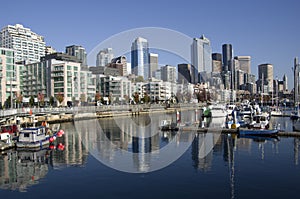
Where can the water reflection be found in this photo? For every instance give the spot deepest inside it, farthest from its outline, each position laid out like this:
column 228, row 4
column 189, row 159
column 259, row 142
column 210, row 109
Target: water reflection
column 117, row 144
column 21, row 169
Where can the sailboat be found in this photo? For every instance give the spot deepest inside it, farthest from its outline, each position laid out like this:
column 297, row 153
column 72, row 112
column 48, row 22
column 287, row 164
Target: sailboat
column 276, row 111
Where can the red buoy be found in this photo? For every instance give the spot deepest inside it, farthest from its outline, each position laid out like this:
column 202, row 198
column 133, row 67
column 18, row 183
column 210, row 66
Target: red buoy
column 60, row 147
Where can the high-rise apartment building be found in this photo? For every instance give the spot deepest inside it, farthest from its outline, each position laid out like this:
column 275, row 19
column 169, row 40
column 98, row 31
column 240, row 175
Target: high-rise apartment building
column 28, row 46
column 140, row 57
column 79, row 52
column 104, row 57
column 153, row 63
column 201, row 57
column 9, row 76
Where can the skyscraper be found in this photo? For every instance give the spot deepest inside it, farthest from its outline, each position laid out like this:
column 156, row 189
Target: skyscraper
column 201, row 56
column 28, row 45
column 168, row 73
column 185, row 73
column 140, row 58
column 79, row 52
column 153, row 59
column 244, row 63
column 265, row 77
column 217, row 62
column 104, row 57
column 227, row 56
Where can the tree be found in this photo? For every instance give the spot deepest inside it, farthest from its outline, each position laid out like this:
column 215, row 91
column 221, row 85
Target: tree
column 146, row 99
column 41, row 99
column 51, row 100
column 8, row 102
column 31, row 101
column 60, row 98
column 82, row 98
column 139, row 79
column 136, row 97
column 98, row 97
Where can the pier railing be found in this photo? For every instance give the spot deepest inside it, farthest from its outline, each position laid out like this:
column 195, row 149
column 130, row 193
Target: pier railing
column 88, row 109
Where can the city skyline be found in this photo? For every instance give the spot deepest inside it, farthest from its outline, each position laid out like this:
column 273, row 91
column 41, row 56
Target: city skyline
column 255, row 28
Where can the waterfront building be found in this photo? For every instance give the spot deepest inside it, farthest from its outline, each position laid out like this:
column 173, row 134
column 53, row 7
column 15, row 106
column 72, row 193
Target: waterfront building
column 104, row 57
column 168, row 73
column 117, row 89
column 140, row 57
column 153, row 63
column 9, row 77
column 66, row 77
column 78, row 52
column 27, row 44
column 33, row 79
column 265, row 78
column 201, row 57
column 160, row 90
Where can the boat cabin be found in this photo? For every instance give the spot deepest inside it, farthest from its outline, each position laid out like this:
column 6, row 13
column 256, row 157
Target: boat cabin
column 32, row 134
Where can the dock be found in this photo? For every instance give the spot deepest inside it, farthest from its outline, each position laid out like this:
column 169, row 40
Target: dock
column 232, row 131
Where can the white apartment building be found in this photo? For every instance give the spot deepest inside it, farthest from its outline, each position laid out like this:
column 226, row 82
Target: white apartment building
column 9, row 76
column 28, row 45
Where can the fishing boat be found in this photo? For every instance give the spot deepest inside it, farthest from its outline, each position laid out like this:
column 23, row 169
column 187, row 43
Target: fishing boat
column 35, row 137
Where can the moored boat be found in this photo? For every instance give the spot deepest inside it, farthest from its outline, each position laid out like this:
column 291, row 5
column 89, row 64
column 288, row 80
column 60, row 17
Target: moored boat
column 258, row 132
column 35, row 137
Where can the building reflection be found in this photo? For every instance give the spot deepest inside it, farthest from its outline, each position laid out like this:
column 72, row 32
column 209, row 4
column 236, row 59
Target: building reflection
column 75, row 153
column 22, row 169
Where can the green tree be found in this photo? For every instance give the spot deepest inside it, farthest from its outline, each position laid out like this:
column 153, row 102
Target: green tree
column 8, row 102
column 51, row 100
column 60, row 98
column 139, row 79
column 31, row 101
column 146, row 98
column 136, row 97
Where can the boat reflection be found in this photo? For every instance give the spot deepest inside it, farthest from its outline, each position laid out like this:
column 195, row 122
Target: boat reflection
column 22, row 169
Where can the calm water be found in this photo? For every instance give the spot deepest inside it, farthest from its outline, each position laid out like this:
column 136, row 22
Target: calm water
column 97, row 154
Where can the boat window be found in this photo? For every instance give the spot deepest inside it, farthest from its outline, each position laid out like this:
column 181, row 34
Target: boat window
column 26, row 135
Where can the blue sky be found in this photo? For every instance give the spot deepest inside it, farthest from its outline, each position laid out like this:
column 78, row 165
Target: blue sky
column 266, row 30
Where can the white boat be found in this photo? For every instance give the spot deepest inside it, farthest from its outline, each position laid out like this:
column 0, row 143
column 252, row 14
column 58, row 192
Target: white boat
column 276, row 112
column 230, row 108
column 218, row 110
column 259, row 122
column 34, row 137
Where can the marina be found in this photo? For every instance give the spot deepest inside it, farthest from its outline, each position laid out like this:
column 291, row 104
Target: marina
column 211, row 163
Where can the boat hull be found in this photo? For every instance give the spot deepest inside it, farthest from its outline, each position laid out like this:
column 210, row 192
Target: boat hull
column 37, row 144
column 258, row 132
